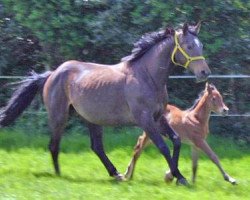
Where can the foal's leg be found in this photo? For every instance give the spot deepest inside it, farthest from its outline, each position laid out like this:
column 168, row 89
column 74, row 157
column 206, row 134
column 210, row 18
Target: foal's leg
column 202, row 144
column 195, row 157
column 143, row 140
column 97, row 146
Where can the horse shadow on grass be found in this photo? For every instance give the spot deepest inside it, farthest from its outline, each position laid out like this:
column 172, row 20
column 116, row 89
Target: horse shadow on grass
column 109, row 180
column 74, row 179
column 122, row 138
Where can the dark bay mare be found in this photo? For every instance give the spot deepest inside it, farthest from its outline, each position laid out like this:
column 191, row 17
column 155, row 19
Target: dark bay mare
column 132, row 92
column 192, row 126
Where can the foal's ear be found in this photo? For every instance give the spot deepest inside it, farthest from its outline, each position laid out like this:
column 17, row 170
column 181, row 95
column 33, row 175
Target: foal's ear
column 185, row 28
column 197, row 27
column 169, row 31
column 209, row 88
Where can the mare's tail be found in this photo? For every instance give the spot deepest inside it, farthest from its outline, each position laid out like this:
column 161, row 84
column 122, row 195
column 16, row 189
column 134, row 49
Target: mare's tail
column 22, row 97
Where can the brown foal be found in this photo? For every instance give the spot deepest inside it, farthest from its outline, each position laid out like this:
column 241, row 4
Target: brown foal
column 192, row 126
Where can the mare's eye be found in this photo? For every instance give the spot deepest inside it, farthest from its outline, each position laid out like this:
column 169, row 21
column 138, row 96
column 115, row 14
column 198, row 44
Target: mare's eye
column 190, row 47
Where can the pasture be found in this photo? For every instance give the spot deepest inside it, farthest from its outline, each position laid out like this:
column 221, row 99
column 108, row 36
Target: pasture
column 26, row 170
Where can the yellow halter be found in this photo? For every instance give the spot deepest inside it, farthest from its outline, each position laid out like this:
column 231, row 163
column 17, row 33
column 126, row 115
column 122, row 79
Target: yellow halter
column 188, row 58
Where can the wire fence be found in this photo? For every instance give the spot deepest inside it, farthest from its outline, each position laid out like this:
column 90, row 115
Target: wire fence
column 234, row 76
column 237, row 76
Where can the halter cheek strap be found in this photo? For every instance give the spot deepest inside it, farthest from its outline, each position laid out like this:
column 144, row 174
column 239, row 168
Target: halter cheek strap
column 188, row 58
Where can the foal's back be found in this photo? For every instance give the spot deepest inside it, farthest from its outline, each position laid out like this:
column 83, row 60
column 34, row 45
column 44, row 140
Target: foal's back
column 185, row 123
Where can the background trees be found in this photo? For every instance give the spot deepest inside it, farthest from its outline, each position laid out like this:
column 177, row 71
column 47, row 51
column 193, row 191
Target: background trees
column 42, row 34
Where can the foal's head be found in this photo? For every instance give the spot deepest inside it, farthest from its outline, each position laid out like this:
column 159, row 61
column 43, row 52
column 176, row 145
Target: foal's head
column 188, row 51
column 215, row 100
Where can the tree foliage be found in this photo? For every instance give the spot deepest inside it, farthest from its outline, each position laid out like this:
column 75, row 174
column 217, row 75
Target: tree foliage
column 42, row 34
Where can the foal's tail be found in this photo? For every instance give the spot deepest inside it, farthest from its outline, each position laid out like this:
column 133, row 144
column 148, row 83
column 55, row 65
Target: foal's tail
column 22, row 97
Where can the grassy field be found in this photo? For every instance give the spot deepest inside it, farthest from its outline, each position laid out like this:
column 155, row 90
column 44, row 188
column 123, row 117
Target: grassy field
column 26, row 170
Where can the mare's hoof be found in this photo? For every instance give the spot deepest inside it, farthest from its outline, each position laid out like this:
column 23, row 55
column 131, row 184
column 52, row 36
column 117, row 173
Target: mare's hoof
column 58, row 173
column 169, row 177
column 120, row 177
column 230, row 179
column 182, row 181
column 233, row 181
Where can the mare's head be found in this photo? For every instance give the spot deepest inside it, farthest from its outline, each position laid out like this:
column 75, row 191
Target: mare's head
column 188, row 51
column 215, row 100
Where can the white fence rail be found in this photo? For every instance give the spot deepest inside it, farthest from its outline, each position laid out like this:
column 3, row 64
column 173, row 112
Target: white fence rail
column 171, row 77
column 235, row 76
column 212, row 76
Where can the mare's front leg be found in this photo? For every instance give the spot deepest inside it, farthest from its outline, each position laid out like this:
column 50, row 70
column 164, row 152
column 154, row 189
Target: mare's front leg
column 153, row 128
column 168, row 131
column 143, row 140
column 202, row 144
column 97, row 146
column 195, row 156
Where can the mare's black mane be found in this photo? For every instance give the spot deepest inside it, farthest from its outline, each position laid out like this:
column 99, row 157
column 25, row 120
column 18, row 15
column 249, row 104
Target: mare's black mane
column 148, row 40
column 144, row 44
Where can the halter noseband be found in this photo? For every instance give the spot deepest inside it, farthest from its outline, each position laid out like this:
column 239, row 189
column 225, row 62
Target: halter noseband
column 188, row 58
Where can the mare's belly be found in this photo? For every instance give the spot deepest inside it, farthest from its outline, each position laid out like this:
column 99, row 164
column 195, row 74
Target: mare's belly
column 102, row 112
column 101, row 100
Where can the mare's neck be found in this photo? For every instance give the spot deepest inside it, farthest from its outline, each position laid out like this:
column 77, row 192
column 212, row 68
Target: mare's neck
column 156, row 64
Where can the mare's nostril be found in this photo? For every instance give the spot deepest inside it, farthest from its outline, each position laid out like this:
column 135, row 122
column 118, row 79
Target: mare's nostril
column 205, row 73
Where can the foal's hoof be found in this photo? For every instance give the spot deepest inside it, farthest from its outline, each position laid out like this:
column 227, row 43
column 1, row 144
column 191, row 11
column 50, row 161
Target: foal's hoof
column 128, row 175
column 120, row 177
column 182, row 181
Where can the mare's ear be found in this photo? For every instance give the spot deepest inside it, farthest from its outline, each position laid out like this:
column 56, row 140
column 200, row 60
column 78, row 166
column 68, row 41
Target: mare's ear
column 169, row 31
column 197, row 27
column 185, row 28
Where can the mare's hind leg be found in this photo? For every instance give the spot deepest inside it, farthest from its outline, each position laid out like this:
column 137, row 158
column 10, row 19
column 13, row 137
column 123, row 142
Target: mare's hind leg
column 58, row 115
column 97, row 146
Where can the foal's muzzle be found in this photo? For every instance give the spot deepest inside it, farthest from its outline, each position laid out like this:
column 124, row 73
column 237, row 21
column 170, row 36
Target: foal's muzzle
column 225, row 112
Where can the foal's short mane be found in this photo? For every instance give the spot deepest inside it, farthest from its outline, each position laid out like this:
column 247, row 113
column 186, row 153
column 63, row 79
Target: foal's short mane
column 144, row 44
column 200, row 96
column 196, row 101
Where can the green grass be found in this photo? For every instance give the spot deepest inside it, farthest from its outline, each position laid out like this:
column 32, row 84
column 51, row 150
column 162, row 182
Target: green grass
column 26, row 170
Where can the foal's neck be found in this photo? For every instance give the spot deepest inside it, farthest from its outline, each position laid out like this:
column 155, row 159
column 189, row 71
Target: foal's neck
column 202, row 110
